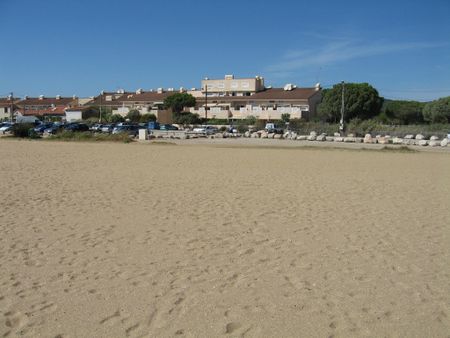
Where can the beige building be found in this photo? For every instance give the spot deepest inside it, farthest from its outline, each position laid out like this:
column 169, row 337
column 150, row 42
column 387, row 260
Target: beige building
column 230, row 86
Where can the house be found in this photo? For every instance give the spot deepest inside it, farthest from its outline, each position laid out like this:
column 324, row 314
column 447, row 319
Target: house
column 232, row 98
column 45, row 107
column 5, row 108
column 79, row 113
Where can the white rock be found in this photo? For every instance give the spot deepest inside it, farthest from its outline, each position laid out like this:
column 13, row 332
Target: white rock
column 408, row 142
column 350, row 135
column 397, row 140
column 358, row 139
column 409, row 137
column 247, row 134
column 321, row 138
column 264, row 134
column 434, row 138
column 312, row 137
column 302, row 137
column 329, row 138
column 337, row 135
column 420, row 137
column 255, row 135
column 293, row 136
column 313, row 133
column 278, row 136
column 270, row 135
column 349, row 139
column 368, row 138
column 433, row 143
column 383, row 140
column 444, row 142
column 423, row 143
column 339, row 139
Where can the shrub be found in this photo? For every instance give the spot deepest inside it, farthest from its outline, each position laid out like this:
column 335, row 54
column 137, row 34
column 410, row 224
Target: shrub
column 22, row 129
column 242, row 128
column 145, row 118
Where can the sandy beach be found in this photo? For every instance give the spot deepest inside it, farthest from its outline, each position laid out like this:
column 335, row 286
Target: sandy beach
column 141, row 240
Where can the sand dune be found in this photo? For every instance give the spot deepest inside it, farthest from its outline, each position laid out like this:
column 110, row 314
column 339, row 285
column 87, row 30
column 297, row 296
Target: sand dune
column 115, row 240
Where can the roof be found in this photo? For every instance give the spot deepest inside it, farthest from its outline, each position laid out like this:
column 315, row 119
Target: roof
column 147, row 96
column 46, row 101
column 55, row 111
column 79, row 108
column 6, row 102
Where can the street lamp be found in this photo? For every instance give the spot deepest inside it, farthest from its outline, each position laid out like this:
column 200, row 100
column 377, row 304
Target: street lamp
column 206, row 100
column 341, row 122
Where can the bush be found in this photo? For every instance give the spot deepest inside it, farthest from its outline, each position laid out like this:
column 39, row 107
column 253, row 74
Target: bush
column 22, row 129
column 242, row 128
column 145, row 118
column 116, row 118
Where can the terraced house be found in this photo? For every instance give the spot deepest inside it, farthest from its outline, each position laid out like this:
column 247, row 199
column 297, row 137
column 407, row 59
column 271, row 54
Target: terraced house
column 45, row 107
column 241, row 98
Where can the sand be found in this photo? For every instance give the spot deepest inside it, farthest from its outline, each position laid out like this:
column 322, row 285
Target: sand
column 138, row 240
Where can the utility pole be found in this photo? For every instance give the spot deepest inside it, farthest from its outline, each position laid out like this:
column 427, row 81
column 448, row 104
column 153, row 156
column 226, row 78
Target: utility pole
column 206, row 101
column 11, row 113
column 101, row 98
column 341, row 122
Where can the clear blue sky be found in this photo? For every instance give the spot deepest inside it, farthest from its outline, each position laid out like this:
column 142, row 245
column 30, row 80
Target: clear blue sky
column 402, row 47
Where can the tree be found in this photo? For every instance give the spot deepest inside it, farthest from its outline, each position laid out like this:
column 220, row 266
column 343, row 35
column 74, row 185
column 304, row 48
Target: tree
column 437, row 111
column 285, row 117
column 403, row 112
column 186, row 118
column 147, row 118
column 133, row 115
column 361, row 100
column 116, row 118
column 178, row 101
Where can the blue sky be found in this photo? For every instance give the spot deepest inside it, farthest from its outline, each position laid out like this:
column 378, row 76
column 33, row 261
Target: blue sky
column 82, row 47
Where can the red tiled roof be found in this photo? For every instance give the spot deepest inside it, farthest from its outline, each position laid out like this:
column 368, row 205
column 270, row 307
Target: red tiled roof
column 55, row 111
column 47, row 101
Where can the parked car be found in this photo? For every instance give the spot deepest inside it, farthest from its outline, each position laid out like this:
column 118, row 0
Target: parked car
column 208, row 130
column 6, row 127
column 167, row 127
column 273, row 128
column 42, row 127
column 56, row 127
column 131, row 130
column 153, row 125
column 76, row 127
column 107, row 128
column 96, row 127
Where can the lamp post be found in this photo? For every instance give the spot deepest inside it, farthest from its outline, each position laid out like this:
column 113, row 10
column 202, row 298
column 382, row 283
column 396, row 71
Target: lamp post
column 341, row 122
column 206, row 101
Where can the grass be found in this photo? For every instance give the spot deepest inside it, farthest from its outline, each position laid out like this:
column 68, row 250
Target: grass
column 90, row 137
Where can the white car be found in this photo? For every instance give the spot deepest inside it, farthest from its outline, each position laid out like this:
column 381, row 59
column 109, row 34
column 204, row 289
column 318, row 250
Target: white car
column 208, row 130
column 5, row 127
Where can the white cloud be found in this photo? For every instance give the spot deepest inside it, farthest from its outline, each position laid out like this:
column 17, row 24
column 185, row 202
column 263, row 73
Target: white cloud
column 338, row 51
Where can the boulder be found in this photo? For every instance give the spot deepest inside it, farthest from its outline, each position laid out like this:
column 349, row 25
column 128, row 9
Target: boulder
column 409, row 137
column 350, row 135
column 444, row 142
column 433, row 143
column 247, row 134
column 255, row 135
column 337, row 135
column 293, row 136
column 383, row 140
column 339, row 139
column 287, row 134
column 313, row 133
column 312, row 137
column 368, row 138
column 359, row 140
column 408, row 142
column 270, row 135
column 278, row 136
column 420, row 137
column 397, row 140
column 329, row 138
column 264, row 134
column 321, row 138
column 423, row 143
column 434, row 138
column 349, row 139
column 302, row 137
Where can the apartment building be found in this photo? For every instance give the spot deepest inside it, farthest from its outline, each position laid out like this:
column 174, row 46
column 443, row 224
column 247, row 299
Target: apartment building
column 45, row 106
column 5, row 108
column 232, row 98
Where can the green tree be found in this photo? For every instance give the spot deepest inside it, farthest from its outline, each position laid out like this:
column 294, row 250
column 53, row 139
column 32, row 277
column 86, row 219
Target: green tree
column 361, row 100
column 178, row 101
column 116, row 118
column 285, row 117
column 437, row 111
column 133, row 115
column 147, row 118
column 186, row 118
column 402, row 112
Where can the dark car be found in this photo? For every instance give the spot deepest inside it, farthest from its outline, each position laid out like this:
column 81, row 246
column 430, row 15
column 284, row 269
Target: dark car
column 107, row 128
column 42, row 127
column 56, row 127
column 167, row 127
column 131, row 130
column 76, row 127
